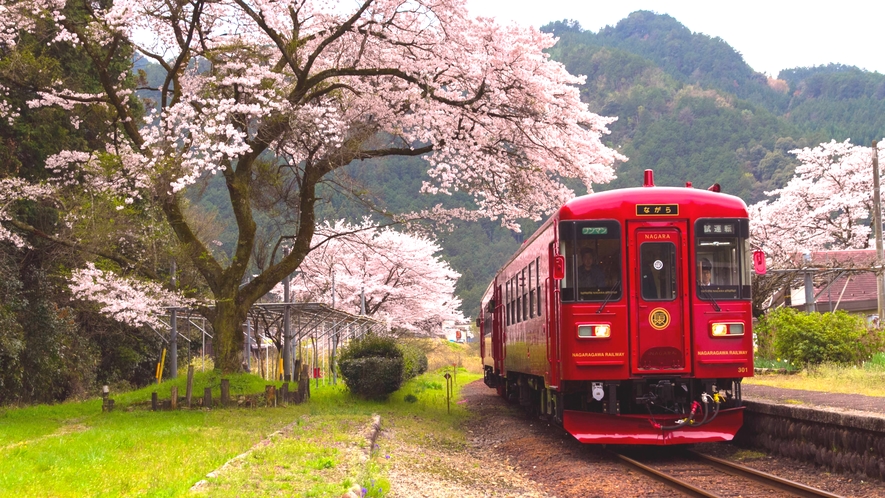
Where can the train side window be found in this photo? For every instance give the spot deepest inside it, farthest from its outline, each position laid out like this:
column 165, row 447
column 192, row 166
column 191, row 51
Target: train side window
column 512, row 302
column 526, row 283
column 538, row 282
column 531, row 294
column 658, row 264
column 507, row 301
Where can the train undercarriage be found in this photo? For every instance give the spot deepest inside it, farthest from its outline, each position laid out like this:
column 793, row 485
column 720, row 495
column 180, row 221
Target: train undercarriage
column 657, row 410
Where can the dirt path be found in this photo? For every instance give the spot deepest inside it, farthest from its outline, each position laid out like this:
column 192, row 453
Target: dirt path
column 555, row 464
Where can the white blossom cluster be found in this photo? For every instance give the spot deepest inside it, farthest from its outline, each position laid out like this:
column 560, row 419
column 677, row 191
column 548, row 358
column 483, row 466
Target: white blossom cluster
column 16, row 189
column 404, row 280
column 134, row 302
column 7, row 110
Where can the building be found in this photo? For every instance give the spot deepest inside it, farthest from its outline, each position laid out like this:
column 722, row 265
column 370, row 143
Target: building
column 841, row 280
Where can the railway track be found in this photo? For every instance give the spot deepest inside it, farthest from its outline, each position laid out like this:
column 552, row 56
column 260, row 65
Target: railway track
column 700, row 475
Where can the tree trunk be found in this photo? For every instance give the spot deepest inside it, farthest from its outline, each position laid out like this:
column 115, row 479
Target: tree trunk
column 228, row 326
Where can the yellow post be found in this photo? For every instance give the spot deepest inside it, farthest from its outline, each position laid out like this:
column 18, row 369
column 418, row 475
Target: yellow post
column 160, row 367
column 280, row 368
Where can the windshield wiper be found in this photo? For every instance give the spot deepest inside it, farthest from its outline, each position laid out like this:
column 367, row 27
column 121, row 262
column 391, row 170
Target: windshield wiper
column 709, row 295
column 608, row 296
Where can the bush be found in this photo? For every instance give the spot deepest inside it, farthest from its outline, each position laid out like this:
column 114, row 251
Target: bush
column 372, row 366
column 415, row 361
column 815, row 338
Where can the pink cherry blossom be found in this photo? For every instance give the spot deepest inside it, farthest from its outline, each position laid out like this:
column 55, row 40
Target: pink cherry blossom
column 401, row 275
column 136, row 303
column 828, row 204
column 308, row 87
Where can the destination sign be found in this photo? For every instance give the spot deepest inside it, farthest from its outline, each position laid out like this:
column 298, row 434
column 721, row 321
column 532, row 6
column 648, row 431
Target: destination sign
column 594, row 230
column 657, row 209
column 718, row 229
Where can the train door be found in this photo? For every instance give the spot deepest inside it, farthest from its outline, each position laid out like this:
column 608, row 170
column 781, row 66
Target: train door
column 659, row 330
column 552, row 320
column 498, row 331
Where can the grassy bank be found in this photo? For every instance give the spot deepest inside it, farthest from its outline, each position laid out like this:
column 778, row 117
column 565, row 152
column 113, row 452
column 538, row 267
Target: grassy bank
column 829, row 378
column 867, row 378
column 74, row 449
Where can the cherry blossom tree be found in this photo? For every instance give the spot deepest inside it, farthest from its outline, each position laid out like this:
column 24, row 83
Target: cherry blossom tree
column 828, row 204
column 401, row 276
column 300, row 88
column 130, row 301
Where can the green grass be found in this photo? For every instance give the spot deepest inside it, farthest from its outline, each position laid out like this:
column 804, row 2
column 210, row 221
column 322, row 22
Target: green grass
column 877, row 362
column 868, row 378
column 74, row 449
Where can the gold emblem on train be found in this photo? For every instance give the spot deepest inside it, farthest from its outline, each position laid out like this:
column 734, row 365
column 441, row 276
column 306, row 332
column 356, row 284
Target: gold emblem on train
column 659, row 318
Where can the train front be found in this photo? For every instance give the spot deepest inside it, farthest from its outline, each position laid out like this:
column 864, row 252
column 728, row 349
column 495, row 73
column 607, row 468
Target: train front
column 654, row 316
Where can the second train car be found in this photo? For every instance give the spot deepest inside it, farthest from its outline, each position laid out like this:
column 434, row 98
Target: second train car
column 626, row 317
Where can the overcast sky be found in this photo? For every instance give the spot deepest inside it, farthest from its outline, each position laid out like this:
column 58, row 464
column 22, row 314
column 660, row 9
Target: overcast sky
column 771, row 35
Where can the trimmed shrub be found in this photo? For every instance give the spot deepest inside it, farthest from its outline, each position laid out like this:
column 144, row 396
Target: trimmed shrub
column 372, row 366
column 815, row 338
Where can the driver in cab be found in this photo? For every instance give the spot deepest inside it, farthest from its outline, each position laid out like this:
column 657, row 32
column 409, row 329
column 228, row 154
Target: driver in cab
column 589, row 273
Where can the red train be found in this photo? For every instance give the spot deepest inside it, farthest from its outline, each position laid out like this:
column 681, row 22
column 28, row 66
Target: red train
column 627, row 317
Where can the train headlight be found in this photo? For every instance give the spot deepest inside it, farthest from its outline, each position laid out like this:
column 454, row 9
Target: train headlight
column 595, row 330
column 726, row 329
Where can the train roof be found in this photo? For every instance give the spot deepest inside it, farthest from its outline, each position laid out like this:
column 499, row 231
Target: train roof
column 621, row 203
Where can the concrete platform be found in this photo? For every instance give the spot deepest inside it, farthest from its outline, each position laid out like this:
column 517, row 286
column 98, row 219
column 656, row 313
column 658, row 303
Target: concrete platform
column 796, row 397
column 841, row 432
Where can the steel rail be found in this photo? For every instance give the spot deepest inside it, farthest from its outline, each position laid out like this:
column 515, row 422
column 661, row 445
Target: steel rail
column 665, row 478
column 757, row 476
column 791, row 487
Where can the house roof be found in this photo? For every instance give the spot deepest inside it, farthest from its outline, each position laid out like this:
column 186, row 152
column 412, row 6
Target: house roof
column 844, row 279
column 851, row 258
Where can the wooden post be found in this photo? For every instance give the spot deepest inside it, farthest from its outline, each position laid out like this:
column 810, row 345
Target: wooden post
column 154, row 401
column 304, row 384
column 207, row 397
column 189, row 392
column 225, row 392
column 174, row 398
column 270, row 396
column 284, row 393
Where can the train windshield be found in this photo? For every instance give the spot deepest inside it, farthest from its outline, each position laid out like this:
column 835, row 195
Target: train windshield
column 592, row 251
column 722, row 266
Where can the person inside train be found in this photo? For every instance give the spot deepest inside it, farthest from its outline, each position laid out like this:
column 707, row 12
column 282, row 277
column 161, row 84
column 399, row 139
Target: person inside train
column 589, row 273
column 706, row 272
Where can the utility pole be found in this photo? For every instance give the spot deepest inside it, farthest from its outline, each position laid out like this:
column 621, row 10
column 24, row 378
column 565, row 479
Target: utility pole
column 809, row 283
column 877, row 219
